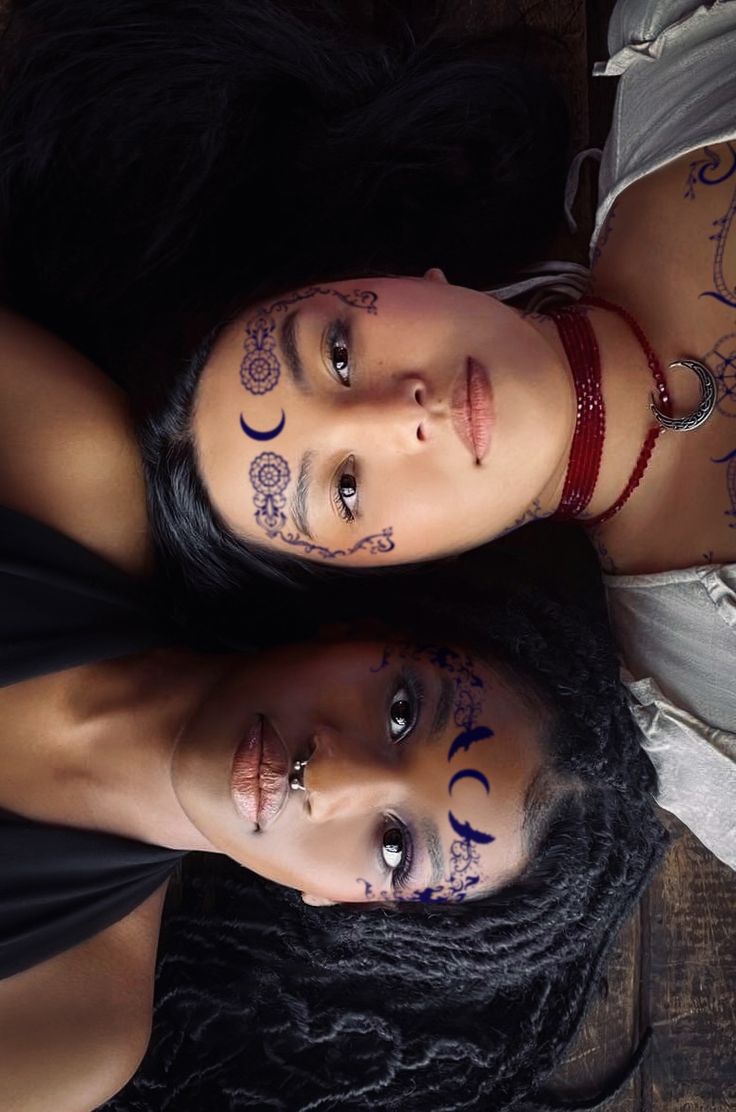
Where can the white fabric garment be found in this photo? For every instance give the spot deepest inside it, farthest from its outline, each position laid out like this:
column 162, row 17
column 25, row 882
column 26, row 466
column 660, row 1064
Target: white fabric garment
column 677, row 633
column 676, row 63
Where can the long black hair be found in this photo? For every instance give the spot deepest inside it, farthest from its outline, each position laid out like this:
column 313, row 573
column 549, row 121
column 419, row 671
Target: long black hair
column 159, row 161
column 266, row 1004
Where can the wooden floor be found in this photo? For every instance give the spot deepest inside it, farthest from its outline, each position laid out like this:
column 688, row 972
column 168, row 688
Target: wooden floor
column 674, row 970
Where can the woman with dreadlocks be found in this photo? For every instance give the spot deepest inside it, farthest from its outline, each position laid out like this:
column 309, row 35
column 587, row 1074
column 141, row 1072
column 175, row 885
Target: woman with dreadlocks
column 464, row 777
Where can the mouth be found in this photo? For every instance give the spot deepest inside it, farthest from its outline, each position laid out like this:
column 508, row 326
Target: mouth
column 259, row 781
column 472, row 409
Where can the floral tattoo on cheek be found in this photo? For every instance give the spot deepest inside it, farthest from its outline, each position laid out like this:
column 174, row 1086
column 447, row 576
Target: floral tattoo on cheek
column 260, row 371
column 464, row 864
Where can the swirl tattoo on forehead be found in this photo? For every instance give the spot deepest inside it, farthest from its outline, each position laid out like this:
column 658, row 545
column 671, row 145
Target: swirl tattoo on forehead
column 269, row 472
column 463, row 873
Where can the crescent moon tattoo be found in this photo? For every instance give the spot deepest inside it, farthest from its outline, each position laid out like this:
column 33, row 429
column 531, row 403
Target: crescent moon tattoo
column 472, row 774
column 254, row 434
column 468, row 833
column 468, row 738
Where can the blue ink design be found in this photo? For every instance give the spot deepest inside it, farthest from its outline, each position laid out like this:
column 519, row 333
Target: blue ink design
column 468, row 738
column 271, row 434
column 722, row 361
column 260, row 369
column 464, row 857
column 468, row 833
column 472, row 774
column 269, row 474
column 707, row 171
column 730, row 459
column 699, row 168
column 467, row 709
column 357, row 299
column 366, row 884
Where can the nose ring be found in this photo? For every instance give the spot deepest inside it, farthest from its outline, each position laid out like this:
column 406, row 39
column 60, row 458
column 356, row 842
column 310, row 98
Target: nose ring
column 296, row 780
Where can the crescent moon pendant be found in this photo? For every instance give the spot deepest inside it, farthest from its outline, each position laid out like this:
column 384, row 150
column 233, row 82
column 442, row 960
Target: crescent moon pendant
column 472, row 774
column 701, row 413
column 254, row 434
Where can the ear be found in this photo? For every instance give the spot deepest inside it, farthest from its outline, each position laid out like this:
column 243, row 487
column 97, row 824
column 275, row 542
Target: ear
column 434, row 274
column 316, row 901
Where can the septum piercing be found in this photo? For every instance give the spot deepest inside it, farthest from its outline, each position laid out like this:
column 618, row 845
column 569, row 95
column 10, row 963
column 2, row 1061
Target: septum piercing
column 296, row 780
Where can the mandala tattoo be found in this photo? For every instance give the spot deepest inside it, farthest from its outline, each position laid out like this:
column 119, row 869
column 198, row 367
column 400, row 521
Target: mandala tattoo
column 463, row 875
column 269, row 477
column 721, row 360
column 260, row 369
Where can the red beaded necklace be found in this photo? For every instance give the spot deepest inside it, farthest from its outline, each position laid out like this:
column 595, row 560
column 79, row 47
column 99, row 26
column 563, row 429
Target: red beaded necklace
column 581, row 348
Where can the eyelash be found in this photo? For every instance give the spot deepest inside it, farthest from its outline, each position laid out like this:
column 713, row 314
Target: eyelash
column 415, row 687
column 344, row 510
column 402, row 872
column 413, row 684
column 338, row 335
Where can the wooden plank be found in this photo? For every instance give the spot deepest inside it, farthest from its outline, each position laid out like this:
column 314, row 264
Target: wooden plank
column 692, row 983
column 611, row 1026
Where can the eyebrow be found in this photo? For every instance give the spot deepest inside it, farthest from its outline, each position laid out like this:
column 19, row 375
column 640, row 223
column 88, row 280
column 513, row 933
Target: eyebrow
column 291, row 350
column 434, row 849
column 299, row 504
column 445, row 704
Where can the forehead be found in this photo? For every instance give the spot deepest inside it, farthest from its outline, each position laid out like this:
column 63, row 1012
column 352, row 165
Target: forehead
column 256, row 429
column 487, row 758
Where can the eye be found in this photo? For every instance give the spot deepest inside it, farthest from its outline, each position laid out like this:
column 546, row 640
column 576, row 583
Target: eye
column 404, row 708
column 392, row 847
column 346, row 490
column 401, row 714
column 397, row 852
column 338, row 352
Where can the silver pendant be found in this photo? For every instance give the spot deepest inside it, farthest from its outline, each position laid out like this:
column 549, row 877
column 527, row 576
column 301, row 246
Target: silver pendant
column 701, row 413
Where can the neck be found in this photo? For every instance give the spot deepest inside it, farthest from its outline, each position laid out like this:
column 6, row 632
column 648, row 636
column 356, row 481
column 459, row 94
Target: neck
column 115, row 727
column 627, row 385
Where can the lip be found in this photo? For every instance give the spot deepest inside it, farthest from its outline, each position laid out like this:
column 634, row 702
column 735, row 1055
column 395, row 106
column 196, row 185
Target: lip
column 472, row 409
column 259, row 781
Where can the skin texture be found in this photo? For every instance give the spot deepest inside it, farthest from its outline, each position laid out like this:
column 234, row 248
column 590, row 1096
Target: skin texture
column 391, row 479
column 387, row 441
column 335, row 702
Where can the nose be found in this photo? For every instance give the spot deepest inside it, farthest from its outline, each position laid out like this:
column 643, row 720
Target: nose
column 398, row 414
column 345, row 781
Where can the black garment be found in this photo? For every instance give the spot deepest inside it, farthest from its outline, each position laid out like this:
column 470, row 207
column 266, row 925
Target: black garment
column 61, row 606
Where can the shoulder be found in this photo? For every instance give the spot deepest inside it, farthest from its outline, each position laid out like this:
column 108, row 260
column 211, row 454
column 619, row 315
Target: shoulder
column 76, row 1026
column 68, row 454
column 675, row 61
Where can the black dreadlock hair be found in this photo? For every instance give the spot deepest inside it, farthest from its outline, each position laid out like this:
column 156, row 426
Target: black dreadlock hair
column 266, row 1004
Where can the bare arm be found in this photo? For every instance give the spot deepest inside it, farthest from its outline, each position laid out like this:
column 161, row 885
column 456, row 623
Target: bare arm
column 68, row 455
column 73, row 1029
